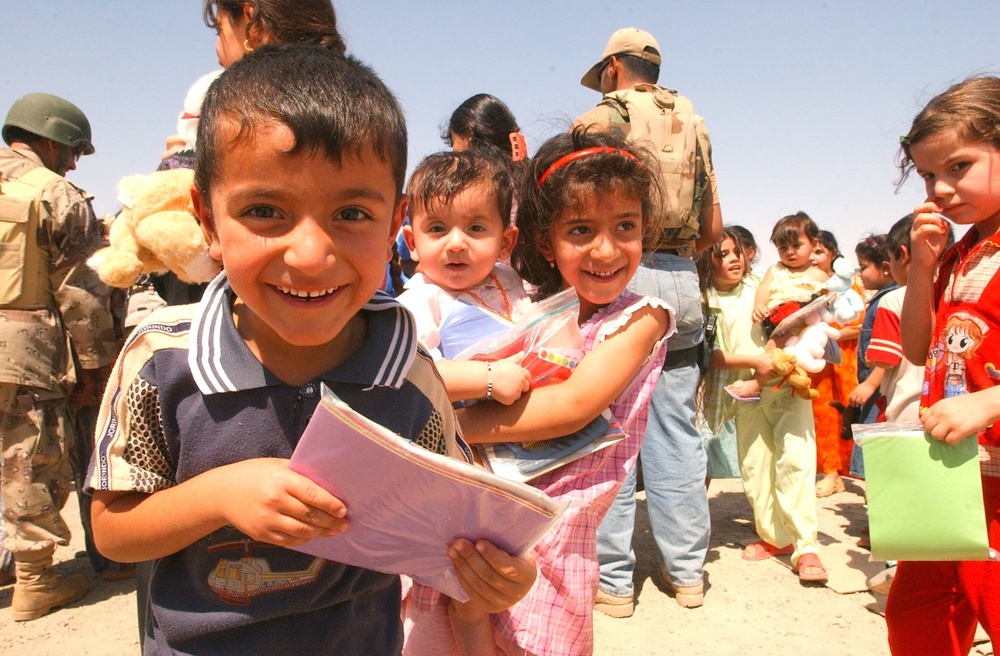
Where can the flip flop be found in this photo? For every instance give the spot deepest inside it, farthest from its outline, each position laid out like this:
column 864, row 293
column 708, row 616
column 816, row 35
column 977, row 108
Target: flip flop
column 762, row 550
column 745, row 399
column 810, row 569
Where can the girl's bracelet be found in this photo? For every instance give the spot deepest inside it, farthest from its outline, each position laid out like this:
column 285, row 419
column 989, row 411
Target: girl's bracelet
column 489, row 380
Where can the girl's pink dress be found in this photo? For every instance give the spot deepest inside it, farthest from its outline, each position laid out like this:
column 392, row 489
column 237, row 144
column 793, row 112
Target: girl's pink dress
column 556, row 616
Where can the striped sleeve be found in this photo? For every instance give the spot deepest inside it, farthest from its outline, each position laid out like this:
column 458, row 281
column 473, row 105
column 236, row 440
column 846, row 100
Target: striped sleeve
column 885, row 347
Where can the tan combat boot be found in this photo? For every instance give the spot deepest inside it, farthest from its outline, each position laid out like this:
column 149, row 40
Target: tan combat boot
column 39, row 590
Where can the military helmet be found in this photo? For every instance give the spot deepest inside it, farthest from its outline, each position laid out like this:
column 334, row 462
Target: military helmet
column 51, row 117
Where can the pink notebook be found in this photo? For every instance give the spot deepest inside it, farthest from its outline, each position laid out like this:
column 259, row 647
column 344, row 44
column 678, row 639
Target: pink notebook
column 406, row 504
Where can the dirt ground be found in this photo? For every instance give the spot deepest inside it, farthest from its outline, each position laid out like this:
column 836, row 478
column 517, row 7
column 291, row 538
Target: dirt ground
column 751, row 608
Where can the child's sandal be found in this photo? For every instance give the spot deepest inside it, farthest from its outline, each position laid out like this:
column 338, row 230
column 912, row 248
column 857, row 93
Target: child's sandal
column 810, row 569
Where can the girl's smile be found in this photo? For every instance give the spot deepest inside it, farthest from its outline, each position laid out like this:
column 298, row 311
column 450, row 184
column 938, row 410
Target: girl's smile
column 597, row 247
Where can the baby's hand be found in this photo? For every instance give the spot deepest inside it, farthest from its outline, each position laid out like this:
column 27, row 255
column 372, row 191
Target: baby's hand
column 510, row 379
column 493, row 579
column 957, row 417
column 759, row 313
column 269, row 502
column 928, row 236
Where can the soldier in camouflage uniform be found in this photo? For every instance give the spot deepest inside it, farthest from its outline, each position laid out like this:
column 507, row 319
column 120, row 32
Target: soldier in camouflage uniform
column 674, row 462
column 55, row 330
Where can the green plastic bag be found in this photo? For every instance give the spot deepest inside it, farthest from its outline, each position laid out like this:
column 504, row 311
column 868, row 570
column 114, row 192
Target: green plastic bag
column 925, row 497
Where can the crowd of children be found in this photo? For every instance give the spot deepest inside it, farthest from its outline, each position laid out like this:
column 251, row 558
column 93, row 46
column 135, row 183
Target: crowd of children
column 207, row 401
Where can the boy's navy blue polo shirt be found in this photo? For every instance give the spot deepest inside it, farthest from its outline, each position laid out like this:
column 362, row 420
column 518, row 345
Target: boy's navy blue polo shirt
column 188, row 395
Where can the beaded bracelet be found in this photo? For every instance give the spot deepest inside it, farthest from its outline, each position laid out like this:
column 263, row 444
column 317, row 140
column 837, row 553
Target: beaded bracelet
column 489, row 380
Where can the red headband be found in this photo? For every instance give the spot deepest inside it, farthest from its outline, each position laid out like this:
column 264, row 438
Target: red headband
column 580, row 154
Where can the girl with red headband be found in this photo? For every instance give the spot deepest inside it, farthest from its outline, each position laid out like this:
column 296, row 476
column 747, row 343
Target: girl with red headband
column 585, row 207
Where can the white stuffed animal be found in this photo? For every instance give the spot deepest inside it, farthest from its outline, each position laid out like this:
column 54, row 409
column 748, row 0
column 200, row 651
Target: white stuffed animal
column 809, row 344
column 847, row 305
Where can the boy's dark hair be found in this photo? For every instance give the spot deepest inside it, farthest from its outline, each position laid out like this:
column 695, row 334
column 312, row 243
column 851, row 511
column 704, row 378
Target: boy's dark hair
column 899, row 236
column 332, row 104
column 971, row 106
column 311, row 22
column 872, row 249
column 486, row 121
column 786, row 230
column 603, row 172
column 640, row 68
column 440, row 176
column 744, row 240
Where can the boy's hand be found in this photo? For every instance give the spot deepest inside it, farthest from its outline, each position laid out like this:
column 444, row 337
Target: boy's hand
column 493, row 579
column 928, row 236
column 269, row 502
column 861, row 394
column 510, row 379
column 956, row 418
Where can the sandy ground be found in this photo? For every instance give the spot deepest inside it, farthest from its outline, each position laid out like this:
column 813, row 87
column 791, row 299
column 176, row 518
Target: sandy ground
column 751, row 608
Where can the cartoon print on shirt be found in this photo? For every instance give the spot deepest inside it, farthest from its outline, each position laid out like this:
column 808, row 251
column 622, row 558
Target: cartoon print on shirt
column 963, row 335
column 239, row 581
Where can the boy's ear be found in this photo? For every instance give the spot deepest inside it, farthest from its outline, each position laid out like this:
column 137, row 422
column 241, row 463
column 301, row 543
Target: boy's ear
column 905, row 253
column 410, row 241
column 203, row 210
column 397, row 224
column 507, row 241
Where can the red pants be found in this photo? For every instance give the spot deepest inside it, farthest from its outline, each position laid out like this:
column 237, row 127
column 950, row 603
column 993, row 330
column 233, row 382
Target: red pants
column 933, row 607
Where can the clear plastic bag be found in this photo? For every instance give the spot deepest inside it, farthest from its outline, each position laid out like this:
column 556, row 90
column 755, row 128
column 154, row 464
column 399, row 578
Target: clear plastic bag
column 548, row 335
column 925, row 497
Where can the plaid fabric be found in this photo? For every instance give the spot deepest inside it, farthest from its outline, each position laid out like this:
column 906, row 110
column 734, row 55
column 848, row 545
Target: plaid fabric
column 556, row 616
column 989, row 460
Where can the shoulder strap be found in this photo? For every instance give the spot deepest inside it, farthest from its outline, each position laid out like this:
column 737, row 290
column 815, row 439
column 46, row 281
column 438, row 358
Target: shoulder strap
column 37, row 178
column 617, row 104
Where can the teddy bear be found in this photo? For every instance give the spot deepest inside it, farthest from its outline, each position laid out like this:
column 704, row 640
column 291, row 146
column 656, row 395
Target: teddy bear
column 155, row 232
column 785, row 365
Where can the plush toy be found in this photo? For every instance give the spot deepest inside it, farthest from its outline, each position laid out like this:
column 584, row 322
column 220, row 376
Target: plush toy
column 155, row 232
column 785, row 365
column 847, row 305
column 809, row 344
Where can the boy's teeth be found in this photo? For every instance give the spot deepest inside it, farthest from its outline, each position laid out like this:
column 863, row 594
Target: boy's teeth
column 301, row 294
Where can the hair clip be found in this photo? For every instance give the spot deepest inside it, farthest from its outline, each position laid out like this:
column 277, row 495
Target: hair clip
column 518, row 147
column 904, row 140
column 579, row 154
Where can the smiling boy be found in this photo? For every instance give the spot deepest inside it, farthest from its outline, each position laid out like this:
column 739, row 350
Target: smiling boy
column 298, row 188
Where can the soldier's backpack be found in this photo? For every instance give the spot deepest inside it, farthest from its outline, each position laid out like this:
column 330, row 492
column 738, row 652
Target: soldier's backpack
column 23, row 279
column 666, row 123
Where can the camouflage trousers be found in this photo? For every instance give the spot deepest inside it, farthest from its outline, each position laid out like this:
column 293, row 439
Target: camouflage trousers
column 36, row 437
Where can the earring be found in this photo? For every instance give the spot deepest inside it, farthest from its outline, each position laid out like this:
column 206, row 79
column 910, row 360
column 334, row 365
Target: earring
column 246, row 45
column 552, row 265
